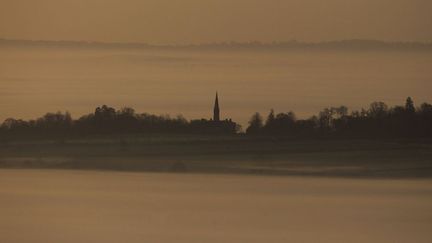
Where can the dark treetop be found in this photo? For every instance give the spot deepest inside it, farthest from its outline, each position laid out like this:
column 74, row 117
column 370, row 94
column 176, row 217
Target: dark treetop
column 378, row 121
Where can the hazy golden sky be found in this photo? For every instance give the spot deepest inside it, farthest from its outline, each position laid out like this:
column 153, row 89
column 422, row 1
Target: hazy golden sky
column 197, row 21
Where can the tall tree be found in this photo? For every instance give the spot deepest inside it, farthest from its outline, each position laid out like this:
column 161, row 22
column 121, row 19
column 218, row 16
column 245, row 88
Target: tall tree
column 270, row 118
column 255, row 123
column 409, row 105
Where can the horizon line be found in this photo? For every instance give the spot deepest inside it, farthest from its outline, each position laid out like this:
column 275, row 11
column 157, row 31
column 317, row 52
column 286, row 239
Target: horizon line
column 224, row 43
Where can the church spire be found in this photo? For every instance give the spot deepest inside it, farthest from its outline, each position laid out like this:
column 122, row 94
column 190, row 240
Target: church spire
column 216, row 116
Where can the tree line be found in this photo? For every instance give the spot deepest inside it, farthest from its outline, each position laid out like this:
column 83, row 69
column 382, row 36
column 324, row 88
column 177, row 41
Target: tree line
column 108, row 120
column 379, row 120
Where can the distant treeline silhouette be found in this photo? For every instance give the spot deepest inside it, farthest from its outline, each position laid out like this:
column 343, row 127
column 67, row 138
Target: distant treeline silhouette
column 353, row 44
column 107, row 120
column 378, row 120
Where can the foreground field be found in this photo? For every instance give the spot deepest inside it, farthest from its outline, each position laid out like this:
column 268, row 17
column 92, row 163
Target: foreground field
column 240, row 155
column 44, row 206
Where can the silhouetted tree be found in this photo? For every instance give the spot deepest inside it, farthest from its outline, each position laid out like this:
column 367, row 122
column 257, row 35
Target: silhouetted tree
column 378, row 121
column 285, row 122
column 378, row 109
column 340, row 111
column 409, row 106
column 325, row 119
column 426, row 110
column 270, row 118
column 255, row 123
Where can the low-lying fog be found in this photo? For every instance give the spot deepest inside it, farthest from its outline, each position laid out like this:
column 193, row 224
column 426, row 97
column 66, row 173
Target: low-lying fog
column 34, row 81
column 76, row 206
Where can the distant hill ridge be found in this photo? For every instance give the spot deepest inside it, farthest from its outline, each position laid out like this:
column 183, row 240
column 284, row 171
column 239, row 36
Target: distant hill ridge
column 354, row 44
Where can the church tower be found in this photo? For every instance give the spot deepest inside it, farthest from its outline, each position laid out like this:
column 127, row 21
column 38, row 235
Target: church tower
column 216, row 112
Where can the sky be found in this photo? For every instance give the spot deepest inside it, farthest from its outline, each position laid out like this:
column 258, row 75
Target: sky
column 206, row 21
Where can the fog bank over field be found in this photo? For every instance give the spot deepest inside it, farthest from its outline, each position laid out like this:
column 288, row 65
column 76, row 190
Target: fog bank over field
column 350, row 44
column 76, row 206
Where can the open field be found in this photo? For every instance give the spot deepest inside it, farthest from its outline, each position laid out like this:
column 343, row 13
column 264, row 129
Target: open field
column 50, row 206
column 237, row 154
